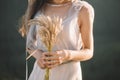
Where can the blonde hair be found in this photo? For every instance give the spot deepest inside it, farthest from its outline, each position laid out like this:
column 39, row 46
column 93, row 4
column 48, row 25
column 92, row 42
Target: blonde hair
column 32, row 8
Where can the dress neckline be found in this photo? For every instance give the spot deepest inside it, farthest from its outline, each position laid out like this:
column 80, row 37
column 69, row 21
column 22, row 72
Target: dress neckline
column 76, row 5
column 66, row 15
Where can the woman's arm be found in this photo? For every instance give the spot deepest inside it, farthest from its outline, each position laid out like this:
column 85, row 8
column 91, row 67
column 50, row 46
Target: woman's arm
column 34, row 53
column 31, row 45
column 86, row 19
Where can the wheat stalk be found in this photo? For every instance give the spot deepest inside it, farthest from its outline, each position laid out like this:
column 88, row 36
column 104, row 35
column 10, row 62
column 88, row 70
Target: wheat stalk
column 49, row 28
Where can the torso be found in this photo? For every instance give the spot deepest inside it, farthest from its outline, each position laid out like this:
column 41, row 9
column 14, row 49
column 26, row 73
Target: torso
column 61, row 11
column 70, row 38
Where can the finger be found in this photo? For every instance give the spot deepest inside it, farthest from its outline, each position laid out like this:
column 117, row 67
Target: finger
column 55, row 58
column 41, row 64
column 51, row 62
column 44, row 57
column 50, row 53
column 47, row 59
column 53, row 65
column 47, row 54
column 52, row 56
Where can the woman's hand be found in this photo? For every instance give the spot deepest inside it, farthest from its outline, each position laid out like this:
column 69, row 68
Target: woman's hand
column 53, row 59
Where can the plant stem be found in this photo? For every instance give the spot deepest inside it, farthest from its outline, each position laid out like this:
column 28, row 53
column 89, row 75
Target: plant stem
column 47, row 70
column 47, row 74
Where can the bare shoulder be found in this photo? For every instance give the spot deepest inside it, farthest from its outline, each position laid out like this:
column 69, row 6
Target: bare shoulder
column 87, row 9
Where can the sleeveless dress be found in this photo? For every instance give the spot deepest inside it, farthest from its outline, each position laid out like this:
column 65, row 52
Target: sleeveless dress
column 69, row 38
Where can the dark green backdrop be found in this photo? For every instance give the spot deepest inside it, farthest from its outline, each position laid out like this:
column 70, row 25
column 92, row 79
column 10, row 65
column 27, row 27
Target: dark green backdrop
column 105, row 64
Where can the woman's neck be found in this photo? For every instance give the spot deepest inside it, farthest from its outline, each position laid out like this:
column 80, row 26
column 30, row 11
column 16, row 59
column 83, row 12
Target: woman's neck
column 59, row 5
column 58, row 2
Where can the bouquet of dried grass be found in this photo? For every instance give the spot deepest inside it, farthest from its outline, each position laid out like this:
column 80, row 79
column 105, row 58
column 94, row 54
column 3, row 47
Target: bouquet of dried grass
column 49, row 28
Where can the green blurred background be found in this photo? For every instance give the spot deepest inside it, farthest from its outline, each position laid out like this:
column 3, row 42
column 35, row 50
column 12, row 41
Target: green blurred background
column 105, row 64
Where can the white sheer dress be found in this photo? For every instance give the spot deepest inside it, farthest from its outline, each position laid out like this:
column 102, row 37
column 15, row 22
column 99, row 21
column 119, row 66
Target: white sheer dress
column 69, row 38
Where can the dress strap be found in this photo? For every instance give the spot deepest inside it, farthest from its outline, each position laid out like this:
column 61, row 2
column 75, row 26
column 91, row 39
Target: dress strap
column 77, row 5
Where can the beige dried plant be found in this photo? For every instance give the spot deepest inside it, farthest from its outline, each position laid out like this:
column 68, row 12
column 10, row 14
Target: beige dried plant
column 49, row 28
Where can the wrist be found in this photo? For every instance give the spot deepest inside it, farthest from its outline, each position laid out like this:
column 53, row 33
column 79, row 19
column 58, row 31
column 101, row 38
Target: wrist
column 68, row 55
column 38, row 54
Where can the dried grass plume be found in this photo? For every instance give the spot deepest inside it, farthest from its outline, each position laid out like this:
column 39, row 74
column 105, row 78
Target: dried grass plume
column 49, row 28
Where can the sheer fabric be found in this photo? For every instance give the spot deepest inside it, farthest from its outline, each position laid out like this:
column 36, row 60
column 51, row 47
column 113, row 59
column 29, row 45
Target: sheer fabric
column 69, row 38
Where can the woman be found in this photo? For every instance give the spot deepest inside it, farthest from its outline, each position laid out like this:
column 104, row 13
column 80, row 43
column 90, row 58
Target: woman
column 77, row 46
